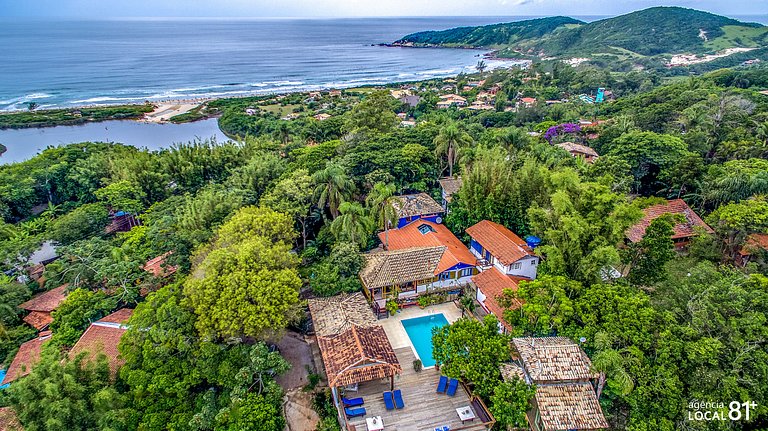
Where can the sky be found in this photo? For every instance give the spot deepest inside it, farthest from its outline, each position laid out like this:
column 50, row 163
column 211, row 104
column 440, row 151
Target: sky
column 355, row 8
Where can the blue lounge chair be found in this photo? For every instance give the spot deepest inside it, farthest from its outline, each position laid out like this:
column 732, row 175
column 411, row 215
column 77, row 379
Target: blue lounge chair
column 398, row 399
column 441, row 385
column 360, row 411
column 443, row 428
column 452, row 387
column 352, row 402
column 388, row 402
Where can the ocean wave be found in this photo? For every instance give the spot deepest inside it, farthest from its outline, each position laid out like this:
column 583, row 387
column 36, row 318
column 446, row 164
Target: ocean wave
column 101, row 99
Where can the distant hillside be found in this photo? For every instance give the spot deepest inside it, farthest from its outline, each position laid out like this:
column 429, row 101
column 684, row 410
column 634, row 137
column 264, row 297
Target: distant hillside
column 649, row 32
column 491, row 35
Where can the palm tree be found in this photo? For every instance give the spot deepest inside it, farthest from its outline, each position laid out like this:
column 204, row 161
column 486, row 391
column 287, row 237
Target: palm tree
column 449, row 142
column 333, row 188
column 282, row 132
column 353, row 224
column 609, row 361
column 379, row 202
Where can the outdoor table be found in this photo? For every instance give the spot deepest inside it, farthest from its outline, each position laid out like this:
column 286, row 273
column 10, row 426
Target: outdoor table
column 375, row 423
column 465, row 414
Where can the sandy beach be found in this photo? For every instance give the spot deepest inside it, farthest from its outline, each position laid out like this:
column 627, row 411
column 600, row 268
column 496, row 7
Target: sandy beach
column 167, row 109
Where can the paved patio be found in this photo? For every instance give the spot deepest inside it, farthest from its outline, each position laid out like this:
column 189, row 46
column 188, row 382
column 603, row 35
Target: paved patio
column 396, row 333
column 424, row 408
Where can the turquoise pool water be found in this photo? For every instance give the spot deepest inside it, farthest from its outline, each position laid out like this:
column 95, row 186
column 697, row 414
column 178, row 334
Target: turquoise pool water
column 419, row 331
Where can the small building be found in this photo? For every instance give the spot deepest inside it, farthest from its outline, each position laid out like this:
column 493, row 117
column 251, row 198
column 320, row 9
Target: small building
column 566, row 398
column 158, row 267
column 479, row 105
column 528, row 101
column 491, row 285
column 335, row 93
column 449, row 186
column 26, row 358
column 321, row 117
column 103, row 336
column 755, row 247
column 250, row 111
column 588, row 154
column 496, row 246
column 419, row 206
column 121, row 221
column 448, row 100
column 41, row 306
column 683, row 232
column 410, row 100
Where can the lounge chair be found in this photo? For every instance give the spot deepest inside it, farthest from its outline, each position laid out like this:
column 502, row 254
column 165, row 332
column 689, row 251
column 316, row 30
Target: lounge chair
column 452, row 387
column 388, row 402
column 443, row 428
column 441, row 385
column 360, row 411
column 398, row 399
column 352, row 402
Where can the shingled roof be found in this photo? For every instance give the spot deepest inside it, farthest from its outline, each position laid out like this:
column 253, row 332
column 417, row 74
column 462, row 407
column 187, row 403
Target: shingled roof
column 103, row 336
column 27, row 357
column 339, row 313
column 553, row 359
column 450, row 186
column 573, row 147
column 157, row 266
column 46, row 301
column 510, row 372
column 681, row 230
column 416, row 204
column 434, row 235
column 503, row 244
column 387, row 268
column 358, row 355
column 569, row 407
column 493, row 283
column 754, row 243
column 38, row 320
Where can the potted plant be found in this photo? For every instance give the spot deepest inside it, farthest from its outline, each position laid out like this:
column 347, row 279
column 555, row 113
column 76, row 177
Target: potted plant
column 392, row 307
column 423, row 301
column 417, row 365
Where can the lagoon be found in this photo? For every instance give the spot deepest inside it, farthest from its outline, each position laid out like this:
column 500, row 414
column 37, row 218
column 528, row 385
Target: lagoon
column 23, row 144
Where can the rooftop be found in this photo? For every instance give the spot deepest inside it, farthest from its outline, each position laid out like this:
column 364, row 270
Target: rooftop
column 8, row 420
column 493, row 283
column 553, row 359
column 103, row 336
column 27, row 357
column 754, row 243
column 503, row 244
column 414, row 205
column 681, row 230
column 46, row 301
column 387, row 268
column 157, row 266
column 450, row 185
column 569, row 407
column 423, row 233
column 358, row 355
column 573, row 147
column 38, row 319
column 339, row 313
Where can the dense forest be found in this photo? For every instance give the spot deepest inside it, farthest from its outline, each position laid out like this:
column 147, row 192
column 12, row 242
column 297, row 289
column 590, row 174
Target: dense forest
column 284, row 212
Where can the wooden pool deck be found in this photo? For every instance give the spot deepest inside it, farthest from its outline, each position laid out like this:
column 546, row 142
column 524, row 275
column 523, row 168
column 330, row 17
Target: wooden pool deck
column 424, row 409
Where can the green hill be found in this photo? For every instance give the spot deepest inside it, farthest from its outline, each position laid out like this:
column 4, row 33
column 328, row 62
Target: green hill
column 495, row 35
column 649, row 32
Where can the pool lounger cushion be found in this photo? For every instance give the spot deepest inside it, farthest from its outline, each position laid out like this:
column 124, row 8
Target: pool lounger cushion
column 452, row 387
column 360, row 411
column 441, row 385
column 352, row 402
column 399, row 399
column 388, row 402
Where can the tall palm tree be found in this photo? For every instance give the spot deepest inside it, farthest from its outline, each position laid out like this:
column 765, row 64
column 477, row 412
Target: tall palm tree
column 353, row 224
column 449, row 143
column 333, row 188
column 379, row 202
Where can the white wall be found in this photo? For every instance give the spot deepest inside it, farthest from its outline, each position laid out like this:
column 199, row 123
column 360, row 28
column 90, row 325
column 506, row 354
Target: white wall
column 529, row 266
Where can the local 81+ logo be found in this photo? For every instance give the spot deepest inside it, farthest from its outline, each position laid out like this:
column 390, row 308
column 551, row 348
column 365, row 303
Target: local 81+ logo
column 716, row 411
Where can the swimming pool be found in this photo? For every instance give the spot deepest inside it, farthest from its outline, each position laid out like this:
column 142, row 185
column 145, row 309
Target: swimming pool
column 419, row 331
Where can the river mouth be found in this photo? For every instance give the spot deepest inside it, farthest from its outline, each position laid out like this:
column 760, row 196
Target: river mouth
column 23, row 144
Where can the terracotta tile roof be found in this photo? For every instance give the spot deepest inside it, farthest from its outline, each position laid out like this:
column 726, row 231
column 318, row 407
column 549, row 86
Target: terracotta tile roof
column 36, row 271
column 38, row 319
column 754, row 242
column 573, row 147
column 8, row 420
column 27, row 357
column 553, row 359
column 413, row 205
column 103, row 336
column 386, row 268
column 569, row 407
column 503, row 244
column 410, row 236
column 509, row 372
column 358, row 355
column 339, row 313
column 46, row 301
column 450, row 185
column 492, row 283
column 157, row 267
column 682, row 230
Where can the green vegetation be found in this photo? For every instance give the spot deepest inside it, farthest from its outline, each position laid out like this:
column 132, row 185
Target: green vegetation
column 71, row 116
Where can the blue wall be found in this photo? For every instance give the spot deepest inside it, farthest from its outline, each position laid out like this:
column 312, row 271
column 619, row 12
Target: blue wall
column 429, row 217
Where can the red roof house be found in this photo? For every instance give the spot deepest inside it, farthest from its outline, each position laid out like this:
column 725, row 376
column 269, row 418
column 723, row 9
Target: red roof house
column 498, row 246
column 27, row 357
column 425, row 233
column 42, row 305
column 103, row 336
column 157, row 266
column 683, row 232
column 491, row 284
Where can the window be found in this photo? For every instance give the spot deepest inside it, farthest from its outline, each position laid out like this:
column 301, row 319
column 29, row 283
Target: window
column 445, row 275
column 533, row 262
column 466, row 272
column 425, row 229
column 516, row 265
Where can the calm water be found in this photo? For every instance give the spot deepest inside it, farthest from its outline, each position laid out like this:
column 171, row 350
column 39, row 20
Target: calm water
column 24, row 143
